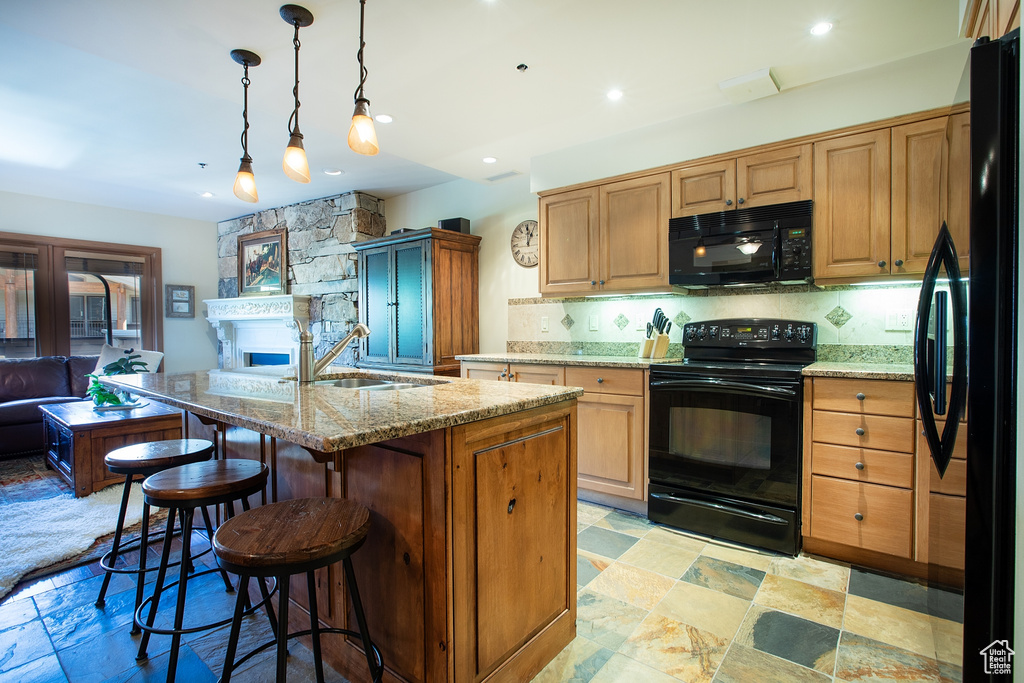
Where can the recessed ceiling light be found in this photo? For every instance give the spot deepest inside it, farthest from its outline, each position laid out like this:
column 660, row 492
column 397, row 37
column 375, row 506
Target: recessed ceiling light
column 333, row 171
column 821, row 28
column 490, row 160
column 614, row 95
column 383, row 118
column 205, row 195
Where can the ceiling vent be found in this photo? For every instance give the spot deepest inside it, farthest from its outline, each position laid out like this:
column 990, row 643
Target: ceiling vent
column 752, row 86
column 503, row 176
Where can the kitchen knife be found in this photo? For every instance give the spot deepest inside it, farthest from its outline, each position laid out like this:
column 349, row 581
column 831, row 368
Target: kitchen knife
column 650, row 330
column 668, row 326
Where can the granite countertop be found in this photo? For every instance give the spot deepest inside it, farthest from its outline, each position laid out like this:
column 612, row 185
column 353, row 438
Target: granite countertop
column 893, row 371
column 567, row 359
column 327, row 418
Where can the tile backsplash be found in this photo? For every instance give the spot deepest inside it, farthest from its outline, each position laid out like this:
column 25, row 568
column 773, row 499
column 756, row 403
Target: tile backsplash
column 851, row 320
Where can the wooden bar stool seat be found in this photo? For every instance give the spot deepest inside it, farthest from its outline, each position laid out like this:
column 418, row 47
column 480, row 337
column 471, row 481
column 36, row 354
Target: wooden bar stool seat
column 142, row 460
column 182, row 490
column 294, row 537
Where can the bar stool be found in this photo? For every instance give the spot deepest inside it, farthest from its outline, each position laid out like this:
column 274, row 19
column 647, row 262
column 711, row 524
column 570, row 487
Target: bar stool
column 291, row 537
column 143, row 460
column 183, row 489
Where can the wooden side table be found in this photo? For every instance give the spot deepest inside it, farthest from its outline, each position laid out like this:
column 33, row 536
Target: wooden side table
column 78, row 437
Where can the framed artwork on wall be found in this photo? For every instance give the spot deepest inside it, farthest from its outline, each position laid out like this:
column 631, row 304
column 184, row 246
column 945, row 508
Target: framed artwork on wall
column 179, row 301
column 262, row 263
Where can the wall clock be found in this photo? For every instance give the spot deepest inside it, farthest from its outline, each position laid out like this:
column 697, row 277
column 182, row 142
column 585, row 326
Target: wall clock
column 526, row 244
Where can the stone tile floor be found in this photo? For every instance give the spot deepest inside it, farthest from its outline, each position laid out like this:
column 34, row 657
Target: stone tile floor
column 654, row 605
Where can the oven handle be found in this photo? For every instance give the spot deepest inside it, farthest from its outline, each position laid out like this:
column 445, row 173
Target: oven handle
column 725, row 386
column 760, row 516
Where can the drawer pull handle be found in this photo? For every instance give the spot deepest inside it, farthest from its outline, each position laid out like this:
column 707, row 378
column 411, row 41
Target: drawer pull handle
column 859, row 517
column 860, row 397
column 600, row 380
column 860, row 431
column 859, row 466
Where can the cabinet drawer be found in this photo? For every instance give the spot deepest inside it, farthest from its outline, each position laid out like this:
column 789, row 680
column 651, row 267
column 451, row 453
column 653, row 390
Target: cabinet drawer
column 880, row 397
column 624, row 381
column 886, row 515
column 953, row 483
column 876, row 467
column 497, row 372
column 864, row 431
column 536, row 374
column 947, row 525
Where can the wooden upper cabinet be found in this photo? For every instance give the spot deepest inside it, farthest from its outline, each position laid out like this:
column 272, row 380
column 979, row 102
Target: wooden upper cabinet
column 776, row 177
column 958, row 185
column 851, row 205
column 634, row 234
column 919, row 195
column 569, row 242
column 704, row 189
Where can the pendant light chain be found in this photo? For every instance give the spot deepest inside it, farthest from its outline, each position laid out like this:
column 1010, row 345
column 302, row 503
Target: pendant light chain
column 359, row 55
column 293, row 120
column 245, row 113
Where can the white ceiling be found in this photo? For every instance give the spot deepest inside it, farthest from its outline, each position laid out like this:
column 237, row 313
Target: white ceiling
column 116, row 102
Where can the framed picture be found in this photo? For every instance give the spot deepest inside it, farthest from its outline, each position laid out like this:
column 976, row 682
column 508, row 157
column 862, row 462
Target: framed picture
column 262, row 263
column 179, row 301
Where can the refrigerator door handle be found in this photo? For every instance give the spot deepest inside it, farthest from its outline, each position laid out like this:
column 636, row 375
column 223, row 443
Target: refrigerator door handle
column 943, row 254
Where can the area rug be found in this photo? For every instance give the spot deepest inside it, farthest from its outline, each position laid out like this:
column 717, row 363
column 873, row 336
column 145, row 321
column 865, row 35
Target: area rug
column 41, row 533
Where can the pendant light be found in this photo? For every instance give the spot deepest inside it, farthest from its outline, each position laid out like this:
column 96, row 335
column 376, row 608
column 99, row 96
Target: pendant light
column 295, row 164
column 245, row 183
column 362, row 138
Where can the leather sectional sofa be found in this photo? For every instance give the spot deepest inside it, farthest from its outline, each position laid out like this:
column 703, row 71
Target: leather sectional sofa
column 26, row 384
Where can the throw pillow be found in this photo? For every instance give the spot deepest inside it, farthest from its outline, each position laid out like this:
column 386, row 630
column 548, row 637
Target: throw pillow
column 109, row 354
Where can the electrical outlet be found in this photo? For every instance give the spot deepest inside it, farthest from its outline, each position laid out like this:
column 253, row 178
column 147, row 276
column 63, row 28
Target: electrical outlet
column 899, row 320
column 593, row 323
column 543, row 323
column 641, row 319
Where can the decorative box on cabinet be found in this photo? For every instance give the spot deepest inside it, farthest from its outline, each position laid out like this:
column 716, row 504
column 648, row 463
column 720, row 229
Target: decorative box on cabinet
column 419, row 295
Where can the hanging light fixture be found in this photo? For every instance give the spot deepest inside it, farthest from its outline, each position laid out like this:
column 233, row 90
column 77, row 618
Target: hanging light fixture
column 245, row 183
column 295, row 164
column 362, row 138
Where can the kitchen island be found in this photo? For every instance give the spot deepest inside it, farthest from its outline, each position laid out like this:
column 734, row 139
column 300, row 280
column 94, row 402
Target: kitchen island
column 469, row 570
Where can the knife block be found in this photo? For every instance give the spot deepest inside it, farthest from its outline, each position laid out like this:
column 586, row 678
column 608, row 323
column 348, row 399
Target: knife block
column 646, row 346
column 660, row 346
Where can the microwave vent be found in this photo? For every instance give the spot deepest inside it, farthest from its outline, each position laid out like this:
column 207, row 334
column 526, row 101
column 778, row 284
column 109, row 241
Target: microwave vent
column 727, row 219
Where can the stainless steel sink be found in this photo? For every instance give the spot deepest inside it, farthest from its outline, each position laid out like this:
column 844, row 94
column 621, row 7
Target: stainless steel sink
column 368, row 384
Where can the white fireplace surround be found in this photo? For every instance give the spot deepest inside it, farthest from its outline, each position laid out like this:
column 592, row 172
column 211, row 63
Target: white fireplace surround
column 263, row 324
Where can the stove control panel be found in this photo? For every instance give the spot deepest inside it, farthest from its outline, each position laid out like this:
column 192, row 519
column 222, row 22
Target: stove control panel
column 755, row 332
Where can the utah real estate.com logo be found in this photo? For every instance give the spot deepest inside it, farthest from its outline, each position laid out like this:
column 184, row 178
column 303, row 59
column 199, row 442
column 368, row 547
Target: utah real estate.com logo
column 998, row 657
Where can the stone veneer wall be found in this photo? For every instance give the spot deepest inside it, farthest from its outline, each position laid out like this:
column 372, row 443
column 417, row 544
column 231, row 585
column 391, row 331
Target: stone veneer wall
column 321, row 257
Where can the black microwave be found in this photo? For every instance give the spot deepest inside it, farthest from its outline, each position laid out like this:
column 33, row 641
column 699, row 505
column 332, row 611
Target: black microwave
column 756, row 245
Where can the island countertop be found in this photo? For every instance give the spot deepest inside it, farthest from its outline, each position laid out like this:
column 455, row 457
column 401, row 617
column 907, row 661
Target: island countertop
column 327, row 418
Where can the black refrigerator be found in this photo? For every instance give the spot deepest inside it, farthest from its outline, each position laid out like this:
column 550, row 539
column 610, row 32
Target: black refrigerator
column 981, row 307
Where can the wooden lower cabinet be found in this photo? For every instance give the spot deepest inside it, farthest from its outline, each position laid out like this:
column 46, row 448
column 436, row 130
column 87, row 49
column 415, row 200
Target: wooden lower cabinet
column 496, row 372
column 611, row 444
column 537, row 374
column 867, row 516
column 469, row 568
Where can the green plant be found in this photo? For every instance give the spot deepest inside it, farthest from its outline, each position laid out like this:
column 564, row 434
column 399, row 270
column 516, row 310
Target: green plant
column 100, row 394
column 129, row 365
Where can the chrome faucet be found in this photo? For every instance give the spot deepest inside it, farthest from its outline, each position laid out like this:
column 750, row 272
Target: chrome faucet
column 310, row 369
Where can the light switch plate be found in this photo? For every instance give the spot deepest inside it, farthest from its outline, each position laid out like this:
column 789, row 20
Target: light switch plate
column 593, row 323
column 543, row 323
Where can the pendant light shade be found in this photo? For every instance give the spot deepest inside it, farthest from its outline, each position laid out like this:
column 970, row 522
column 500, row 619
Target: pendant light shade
column 295, row 164
column 245, row 182
column 362, row 137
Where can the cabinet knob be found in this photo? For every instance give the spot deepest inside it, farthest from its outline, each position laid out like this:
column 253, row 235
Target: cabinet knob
column 859, row 466
column 728, row 202
column 740, row 200
column 898, row 263
column 860, row 397
column 504, row 373
column 602, row 282
column 593, row 282
column 859, row 517
column 600, row 380
column 881, row 264
column 860, row 431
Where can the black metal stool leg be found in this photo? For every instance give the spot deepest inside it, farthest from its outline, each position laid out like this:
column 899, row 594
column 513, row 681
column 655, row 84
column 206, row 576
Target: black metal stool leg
column 140, row 578
column 314, row 626
column 282, row 629
column 179, row 610
column 357, row 605
column 209, row 530
column 236, row 626
column 184, row 560
column 101, row 600
column 161, row 574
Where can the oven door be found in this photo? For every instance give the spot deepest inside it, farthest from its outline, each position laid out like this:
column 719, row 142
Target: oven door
column 751, row 256
column 727, row 435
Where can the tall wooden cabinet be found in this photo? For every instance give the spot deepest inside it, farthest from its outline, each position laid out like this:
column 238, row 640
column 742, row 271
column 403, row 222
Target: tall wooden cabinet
column 419, row 295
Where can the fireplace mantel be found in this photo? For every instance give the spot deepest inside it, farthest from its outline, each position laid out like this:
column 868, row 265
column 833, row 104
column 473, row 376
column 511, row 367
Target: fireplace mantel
column 263, row 324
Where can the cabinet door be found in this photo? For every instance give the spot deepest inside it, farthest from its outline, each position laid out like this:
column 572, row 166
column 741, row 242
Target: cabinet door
column 783, row 175
column 474, row 369
column 919, row 198
column 610, row 444
column 958, row 185
column 537, row 374
column 634, row 234
column 569, row 243
column 375, row 303
column 412, row 303
column 704, row 188
column 851, row 207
